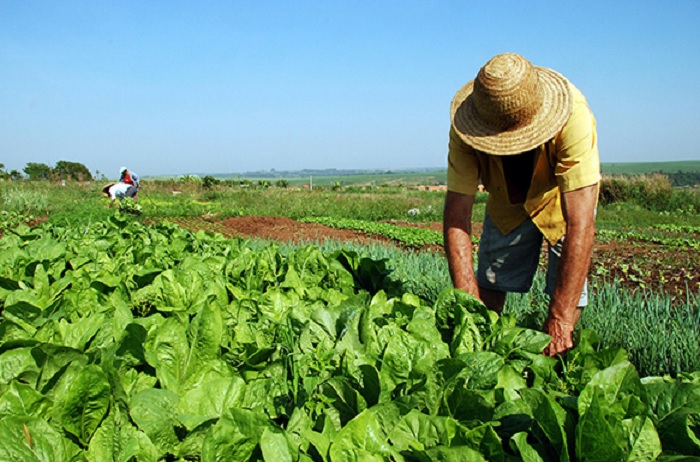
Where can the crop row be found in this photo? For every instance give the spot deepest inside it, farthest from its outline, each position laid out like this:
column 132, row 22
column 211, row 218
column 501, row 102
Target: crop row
column 673, row 242
column 406, row 235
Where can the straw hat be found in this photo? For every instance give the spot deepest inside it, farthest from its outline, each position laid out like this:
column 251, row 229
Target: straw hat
column 511, row 107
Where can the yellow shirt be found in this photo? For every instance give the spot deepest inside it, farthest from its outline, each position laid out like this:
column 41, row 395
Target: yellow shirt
column 567, row 162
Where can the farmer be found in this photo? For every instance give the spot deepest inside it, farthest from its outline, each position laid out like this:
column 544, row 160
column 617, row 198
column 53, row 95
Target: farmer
column 130, row 178
column 527, row 134
column 118, row 191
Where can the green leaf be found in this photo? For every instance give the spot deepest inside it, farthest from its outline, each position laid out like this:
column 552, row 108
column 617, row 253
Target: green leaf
column 31, row 439
column 344, row 398
column 180, row 353
column 209, row 400
column 365, row 438
column 613, row 420
column 453, row 454
column 527, row 453
column 155, row 413
column 555, row 424
column 22, row 400
column 418, row 431
column 118, row 440
column 85, row 403
column 235, row 436
column 675, row 410
column 17, row 362
column 276, row 447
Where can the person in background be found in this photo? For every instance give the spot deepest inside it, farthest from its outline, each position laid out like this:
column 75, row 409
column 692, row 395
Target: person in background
column 130, row 178
column 118, row 191
column 529, row 136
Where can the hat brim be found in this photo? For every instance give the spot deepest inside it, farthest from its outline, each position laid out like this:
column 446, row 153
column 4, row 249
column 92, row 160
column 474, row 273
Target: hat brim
column 546, row 123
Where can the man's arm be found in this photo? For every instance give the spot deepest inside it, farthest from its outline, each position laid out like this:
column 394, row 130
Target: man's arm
column 457, row 229
column 579, row 211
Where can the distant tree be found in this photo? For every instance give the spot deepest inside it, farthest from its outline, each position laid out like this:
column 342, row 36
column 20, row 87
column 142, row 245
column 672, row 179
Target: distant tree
column 282, row 183
column 65, row 170
column 37, row 171
column 15, row 175
column 3, row 174
column 209, row 181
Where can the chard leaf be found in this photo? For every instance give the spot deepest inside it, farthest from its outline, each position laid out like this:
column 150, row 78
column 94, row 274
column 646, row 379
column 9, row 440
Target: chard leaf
column 155, row 413
column 210, row 399
column 118, row 440
column 22, row 400
column 675, row 410
column 167, row 351
column 54, row 360
column 276, row 446
column 79, row 333
column 84, row 403
column 524, row 449
column 418, row 431
column 32, row 439
column 344, row 397
column 365, row 438
column 620, row 388
column 17, row 362
column 24, row 314
column 555, row 425
column 180, row 354
column 453, row 454
column 643, row 439
column 596, row 437
column 235, row 436
column 613, row 420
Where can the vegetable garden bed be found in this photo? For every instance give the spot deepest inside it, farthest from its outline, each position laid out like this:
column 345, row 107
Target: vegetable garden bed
column 120, row 341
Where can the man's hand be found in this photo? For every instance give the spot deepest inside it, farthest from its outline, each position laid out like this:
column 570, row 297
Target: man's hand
column 562, row 333
column 578, row 207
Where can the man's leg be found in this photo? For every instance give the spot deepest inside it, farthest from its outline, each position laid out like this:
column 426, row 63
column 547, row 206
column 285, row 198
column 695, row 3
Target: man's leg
column 553, row 255
column 506, row 263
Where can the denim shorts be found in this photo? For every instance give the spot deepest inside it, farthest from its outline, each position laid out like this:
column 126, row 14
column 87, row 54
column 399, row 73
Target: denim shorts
column 508, row 263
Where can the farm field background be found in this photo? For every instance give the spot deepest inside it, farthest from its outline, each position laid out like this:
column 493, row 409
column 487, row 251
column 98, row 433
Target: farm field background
column 264, row 320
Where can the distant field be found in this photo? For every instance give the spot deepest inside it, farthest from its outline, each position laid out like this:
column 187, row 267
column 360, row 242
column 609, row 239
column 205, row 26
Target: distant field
column 435, row 176
column 375, row 179
column 439, row 176
column 639, row 168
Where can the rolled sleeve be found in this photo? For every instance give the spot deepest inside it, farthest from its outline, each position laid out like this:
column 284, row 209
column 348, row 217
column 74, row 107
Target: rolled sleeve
column 462, row 166
column 578, row 161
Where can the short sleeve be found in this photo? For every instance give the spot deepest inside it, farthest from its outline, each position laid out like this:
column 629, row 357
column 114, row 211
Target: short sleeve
column 577, row 158
column 462, row 166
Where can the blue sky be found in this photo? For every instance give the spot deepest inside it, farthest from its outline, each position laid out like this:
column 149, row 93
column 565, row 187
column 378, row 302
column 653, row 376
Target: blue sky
column 174, row 87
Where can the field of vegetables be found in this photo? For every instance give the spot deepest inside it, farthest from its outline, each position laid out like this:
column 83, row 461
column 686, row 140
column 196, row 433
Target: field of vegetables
column 128, row 337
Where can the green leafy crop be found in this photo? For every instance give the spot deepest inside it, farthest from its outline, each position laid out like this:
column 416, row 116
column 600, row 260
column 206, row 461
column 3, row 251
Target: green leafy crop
column 120, row 341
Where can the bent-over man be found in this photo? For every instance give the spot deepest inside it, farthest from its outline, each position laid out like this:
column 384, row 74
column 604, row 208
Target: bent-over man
column 527, row 134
